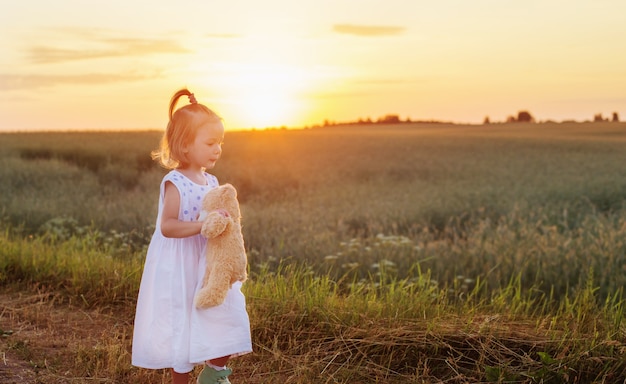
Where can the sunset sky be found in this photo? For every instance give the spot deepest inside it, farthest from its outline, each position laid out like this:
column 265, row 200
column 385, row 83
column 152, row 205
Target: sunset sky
column 78, row 64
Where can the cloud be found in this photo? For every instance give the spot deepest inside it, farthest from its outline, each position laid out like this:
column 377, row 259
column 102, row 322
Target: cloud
column 388, row 81
column 223, row 36
column 368, row 30
column 10, row 82
column 89, row 44
column 114, row 48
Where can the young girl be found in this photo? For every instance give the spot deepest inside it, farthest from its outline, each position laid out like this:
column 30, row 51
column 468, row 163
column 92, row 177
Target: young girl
column 170, row 332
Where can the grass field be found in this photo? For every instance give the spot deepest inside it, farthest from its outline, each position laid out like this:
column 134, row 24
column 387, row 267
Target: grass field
column 397, row 253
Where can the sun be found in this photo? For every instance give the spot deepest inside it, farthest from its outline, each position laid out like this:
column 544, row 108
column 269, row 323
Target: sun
column 268, row 94
column 266, row 108
column 261, row 94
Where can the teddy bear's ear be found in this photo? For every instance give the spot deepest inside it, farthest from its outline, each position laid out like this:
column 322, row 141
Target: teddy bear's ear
column 231, row 189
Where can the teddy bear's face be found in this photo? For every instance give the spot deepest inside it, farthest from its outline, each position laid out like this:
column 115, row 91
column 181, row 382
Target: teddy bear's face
column 222, row 197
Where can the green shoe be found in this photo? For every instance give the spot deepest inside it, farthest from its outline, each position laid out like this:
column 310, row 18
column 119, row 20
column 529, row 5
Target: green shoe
column 212, row 376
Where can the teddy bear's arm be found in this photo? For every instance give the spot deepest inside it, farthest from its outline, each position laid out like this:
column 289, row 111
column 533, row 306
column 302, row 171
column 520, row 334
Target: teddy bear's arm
column 214, row 224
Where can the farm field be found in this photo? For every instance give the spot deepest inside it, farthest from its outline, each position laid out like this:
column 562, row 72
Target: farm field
column 378, row 253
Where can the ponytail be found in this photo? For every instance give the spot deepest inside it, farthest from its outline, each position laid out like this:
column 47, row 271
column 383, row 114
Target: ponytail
column 177, row 95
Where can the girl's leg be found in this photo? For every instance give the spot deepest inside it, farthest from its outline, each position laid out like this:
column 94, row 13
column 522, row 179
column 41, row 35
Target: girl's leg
column 220, row 361
column 180, row 378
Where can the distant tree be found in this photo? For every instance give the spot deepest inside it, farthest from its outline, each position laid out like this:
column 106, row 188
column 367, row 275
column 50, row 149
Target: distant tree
column 389, row 119
column 511, row 119
column 615, row 117
column 486, row 121
column 525, row 117
column 598, row 118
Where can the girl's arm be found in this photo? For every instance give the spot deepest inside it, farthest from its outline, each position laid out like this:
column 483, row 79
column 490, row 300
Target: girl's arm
column 170, row 225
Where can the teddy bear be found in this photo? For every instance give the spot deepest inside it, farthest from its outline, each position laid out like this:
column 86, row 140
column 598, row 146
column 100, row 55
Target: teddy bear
column 226, row 260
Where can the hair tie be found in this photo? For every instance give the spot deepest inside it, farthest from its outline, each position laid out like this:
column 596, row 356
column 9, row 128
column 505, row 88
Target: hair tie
column 192, row 99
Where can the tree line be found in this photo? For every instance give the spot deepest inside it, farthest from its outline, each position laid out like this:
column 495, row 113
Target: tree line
column 523, row 116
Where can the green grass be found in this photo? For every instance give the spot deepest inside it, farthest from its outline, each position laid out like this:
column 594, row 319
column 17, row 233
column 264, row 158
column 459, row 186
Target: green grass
column 492, row 253
column 486, row 202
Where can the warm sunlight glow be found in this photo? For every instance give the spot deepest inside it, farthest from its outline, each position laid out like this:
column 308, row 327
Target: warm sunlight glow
column 262, row 94
column 310, row 63
column 266, row 108
column 267, row 93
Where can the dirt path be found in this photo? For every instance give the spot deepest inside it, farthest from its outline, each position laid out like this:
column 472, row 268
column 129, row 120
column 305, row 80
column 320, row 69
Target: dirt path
column 40, row 337
column 14, row 370
column 45, row 340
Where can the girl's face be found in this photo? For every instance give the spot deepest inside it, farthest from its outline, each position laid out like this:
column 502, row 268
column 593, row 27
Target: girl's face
column 206, row 148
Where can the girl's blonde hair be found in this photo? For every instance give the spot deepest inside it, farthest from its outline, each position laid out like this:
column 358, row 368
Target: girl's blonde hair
column 181, row 130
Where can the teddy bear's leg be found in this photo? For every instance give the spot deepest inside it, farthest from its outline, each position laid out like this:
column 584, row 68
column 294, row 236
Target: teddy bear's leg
column 242, row 267
column 239, row 266
column 214, row 291
column 207, row 274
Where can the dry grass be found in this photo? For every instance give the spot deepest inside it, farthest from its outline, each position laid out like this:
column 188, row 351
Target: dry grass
column 55, row 342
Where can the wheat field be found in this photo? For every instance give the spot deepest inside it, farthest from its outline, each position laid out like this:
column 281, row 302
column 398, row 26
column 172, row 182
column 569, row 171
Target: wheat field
column 483, row 253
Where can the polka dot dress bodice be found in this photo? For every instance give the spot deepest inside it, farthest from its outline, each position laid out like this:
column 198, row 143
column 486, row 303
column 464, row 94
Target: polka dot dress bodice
column 191, row 194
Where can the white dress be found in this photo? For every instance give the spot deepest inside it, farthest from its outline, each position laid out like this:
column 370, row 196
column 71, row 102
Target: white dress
column 170, row 332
